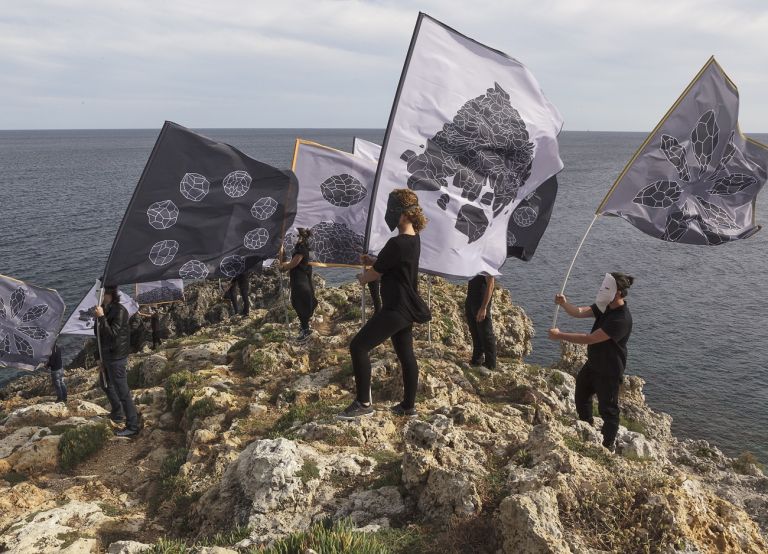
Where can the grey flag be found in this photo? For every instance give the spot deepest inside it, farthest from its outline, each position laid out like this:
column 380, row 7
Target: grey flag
column 696, row 177
column 30, row 317
column 530, row 219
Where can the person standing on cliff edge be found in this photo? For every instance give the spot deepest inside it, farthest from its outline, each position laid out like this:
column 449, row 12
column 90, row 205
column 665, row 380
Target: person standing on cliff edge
column 477, row 310
column 606, row 351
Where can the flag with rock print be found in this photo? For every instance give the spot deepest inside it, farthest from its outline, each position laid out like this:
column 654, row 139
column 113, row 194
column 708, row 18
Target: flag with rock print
column 30, row 317
column 333, row 201
column 366, row 149
column 81, row 321
column 160, row 292
column 201, row 209
column 696, row 178
column 472, row 133
column 530, row 220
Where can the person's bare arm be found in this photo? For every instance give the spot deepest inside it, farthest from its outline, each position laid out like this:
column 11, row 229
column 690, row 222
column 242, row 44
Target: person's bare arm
column 573, row 311
column 490, row 283
column 296, row 260
column 368, row 276
column 579, row 338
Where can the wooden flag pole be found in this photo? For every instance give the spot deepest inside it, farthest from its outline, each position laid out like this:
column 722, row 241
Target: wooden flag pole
column 429, row 303
column 570, row 268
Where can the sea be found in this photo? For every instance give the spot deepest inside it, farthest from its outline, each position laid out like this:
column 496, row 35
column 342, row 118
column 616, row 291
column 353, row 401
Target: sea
column 700, row 328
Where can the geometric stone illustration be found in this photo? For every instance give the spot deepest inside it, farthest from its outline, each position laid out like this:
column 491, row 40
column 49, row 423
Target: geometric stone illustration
column 660, row 194
column 18, row 297
column 527, row 212
column 255, row 239
column 704, row 139
column 336, row 243
column 264, row 208
column 486, row 144
column 472, row 222
column 23, row 347
column 716, row 217
column 163, row 214
column 2, row 309
column 16, row 321
column 237, row 183
column 194, row 187
column 5, row 344
column 193, row 270
column 675, row 153
column 232, row 266
column 676, row 226
column 443, row 201
column 33, row 332
column 487, row 199
column 343, row 190
column 732, row 184
column 511, row 238
column 163, row 252
column 728, row 152
column 160, row 294
column 34, row 313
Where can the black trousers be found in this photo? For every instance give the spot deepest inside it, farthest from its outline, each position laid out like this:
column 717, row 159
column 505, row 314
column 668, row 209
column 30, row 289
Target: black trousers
column 590, row 382
column 374, row 287
column 303, row 299
column 155, row 324
column 240, row 282
column 118, row 393
column 382, row 326
column 483, row 337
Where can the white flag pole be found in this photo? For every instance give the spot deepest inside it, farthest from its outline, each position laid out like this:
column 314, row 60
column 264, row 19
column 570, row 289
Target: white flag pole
column 429, row 303
column 102, row 368
column 362, row 302
column 570, row 268
column 280, row 286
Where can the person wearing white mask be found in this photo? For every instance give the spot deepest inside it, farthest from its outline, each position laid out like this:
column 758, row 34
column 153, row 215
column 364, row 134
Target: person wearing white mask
column 606, row 351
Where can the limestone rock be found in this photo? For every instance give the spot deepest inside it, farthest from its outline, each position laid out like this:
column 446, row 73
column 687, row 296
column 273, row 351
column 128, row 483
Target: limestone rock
column 154, row 369
column 128, row 547
column 530, row 523
column 363, row 507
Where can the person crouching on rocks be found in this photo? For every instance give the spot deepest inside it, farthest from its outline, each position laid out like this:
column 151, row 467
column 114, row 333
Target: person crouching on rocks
column 302, row 289
column 114, row 335
column 606, row 351
column 398, row 267
column 477, row 309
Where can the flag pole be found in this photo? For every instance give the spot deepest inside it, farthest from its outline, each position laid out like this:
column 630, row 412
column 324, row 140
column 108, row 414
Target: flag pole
column 570, row 268
column 362, row 302
column 429, row 303
column 98, row 339
column 280, row 287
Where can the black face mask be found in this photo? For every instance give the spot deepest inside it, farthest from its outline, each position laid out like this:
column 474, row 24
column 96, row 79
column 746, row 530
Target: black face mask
column 394, row 211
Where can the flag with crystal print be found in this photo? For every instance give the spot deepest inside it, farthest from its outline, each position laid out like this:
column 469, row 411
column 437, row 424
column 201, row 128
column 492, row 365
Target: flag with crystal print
column 473, row 135
column 29, row 322
column 695, row 179
column 160, row 292
column 333, row 201
column 201, row 209
column 366, row 149
column 530, row 219
column 80, row 322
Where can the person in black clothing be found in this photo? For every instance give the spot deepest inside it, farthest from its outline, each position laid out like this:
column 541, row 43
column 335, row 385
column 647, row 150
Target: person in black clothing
column 477, row 308
column 154, row 323
column 374, row 287
column 302, row 289
column 239, row 282
column 397, row 265
column 56, row 367
column 606, row 352
column 113, row 333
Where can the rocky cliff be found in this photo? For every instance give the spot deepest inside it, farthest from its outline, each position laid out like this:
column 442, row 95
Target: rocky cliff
column 240, row 450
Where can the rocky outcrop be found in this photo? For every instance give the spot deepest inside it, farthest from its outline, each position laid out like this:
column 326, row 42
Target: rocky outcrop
column 240, row 447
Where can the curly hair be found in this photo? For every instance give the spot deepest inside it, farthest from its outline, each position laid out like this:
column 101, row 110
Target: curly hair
column 623, row 282
column 411, row 208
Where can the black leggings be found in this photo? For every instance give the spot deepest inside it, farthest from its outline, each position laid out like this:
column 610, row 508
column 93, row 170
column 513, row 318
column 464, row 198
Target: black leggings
column 483, row 338
column 606, row 387
column 303, row 299
column 375, row 289
column 241, row 282
column 383, row 325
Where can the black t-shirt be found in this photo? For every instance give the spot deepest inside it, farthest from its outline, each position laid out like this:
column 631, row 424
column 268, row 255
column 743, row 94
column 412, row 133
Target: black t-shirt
column 610, row 356
column 303, row 269
column 54, row 361
column 476, row 289
column 398, row 263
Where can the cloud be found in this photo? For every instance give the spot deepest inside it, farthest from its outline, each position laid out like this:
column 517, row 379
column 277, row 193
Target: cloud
column 301, row 63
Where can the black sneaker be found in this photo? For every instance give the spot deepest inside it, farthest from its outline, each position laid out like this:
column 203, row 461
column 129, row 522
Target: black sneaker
column 610, row 448
column 127, row 432
column 356, row 410
column 476, row 361
column 399, row 410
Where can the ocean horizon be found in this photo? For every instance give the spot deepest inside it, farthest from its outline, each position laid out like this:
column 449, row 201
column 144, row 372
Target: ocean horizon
column 699, row 335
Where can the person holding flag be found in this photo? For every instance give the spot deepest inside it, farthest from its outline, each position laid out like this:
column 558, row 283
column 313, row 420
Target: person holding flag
column 477, row 308
column 397, row 265
column 302, row 289
column 606, row 351
column 113, row 333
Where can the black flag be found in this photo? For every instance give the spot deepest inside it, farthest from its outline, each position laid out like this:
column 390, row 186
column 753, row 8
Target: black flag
column 530, row 219
column 201, row 209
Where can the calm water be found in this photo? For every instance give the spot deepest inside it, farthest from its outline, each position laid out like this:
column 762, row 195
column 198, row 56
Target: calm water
column 700, row 333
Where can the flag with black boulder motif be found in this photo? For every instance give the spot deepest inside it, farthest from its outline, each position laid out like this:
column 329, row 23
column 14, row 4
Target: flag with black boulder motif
column 201, row 209
column 30, row 317
column 696, row 177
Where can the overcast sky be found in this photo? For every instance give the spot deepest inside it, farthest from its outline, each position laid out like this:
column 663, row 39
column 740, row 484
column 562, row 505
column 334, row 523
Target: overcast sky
column 609, row 65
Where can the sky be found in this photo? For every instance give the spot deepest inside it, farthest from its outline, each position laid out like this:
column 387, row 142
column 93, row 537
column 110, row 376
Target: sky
column 609, row 65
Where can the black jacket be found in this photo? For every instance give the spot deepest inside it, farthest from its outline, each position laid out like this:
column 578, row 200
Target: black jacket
column 114, row 332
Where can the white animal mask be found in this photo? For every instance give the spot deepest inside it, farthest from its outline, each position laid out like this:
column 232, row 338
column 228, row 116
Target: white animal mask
column 607, row 292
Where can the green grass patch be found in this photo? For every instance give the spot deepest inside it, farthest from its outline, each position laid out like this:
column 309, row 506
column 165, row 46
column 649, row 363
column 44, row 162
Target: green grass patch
column 588, row 450
column 308, row 471
column 349, row 436
column 81, row 442
column 205, row 407
column 633, row 425
column 328, row 538
column 179, row 390
column 389, row 468
column 557, row 379
column 168, row 546
column 68, row 539
column 14, row 477
column 524, row 458
column 405, row 540
column 258, row 362
column 299, row 414
column 240, row 345
column 111, row 510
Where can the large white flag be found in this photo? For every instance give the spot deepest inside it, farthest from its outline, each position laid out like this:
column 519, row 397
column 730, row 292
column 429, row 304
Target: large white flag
column 81, row 321
column 333, row 201
column 473, row 135
column 366, row 149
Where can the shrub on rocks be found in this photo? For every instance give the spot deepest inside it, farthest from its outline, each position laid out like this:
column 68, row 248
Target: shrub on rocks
column 81, row 442
column 323, row 537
